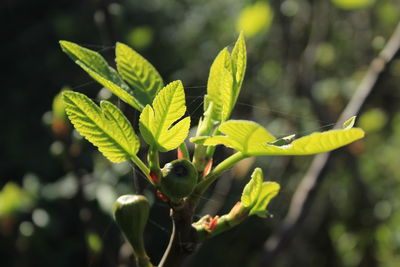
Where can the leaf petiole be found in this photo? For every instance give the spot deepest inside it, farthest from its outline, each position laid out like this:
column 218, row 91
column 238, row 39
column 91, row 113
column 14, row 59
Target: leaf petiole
column 140, row 164
column 217, row 171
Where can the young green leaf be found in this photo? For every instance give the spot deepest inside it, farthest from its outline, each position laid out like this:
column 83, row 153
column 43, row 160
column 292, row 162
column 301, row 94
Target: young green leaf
column 252, row 189
column 219, row 86
column 96, row 66
column 268, row 191
column 239, row 59
column 105, row 127
column 349, row 123
column 156, row 122
column 257, row 194
column 253, row 140
column 138, row 73
column 225, row 80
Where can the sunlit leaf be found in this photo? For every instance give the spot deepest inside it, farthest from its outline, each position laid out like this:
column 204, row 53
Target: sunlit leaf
column 225, row 80
column 220, row 86
column 252, row 189
column 239, row 61
column 105, row 127
column 257, row 194
column 349, row 123
column 242, row 135
column 138, row 73
column 156, row 122
column 268, row 191
column 252, row 139
column 96, row 66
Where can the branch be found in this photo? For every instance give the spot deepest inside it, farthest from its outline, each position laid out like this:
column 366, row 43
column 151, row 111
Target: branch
column 305, row 193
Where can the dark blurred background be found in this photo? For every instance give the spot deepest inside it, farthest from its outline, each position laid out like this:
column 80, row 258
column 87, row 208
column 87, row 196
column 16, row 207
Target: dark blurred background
column 305, row 60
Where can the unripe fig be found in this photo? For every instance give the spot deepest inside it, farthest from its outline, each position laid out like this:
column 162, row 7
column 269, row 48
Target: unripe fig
column 131, row 213
column 179, row 178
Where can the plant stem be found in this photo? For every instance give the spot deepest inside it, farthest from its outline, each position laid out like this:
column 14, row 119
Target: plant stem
column 205, row 128
column 184, row 150
column 217, row 171
column 140, row 164
column 224, row 223
column 183, row 239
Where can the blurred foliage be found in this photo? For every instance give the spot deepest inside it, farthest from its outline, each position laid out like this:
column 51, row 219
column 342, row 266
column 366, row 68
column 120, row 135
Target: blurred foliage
column 353, row 4
column 254, row 19
column 305, row 60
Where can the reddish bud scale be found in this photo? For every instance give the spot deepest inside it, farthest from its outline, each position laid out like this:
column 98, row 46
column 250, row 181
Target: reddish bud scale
column 161, row 196
column 211, row 223
column 180, row 154
column 154, row 177
column 238, row 211
column 207, row 168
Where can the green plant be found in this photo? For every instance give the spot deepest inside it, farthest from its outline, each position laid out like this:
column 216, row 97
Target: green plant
column 182, row 182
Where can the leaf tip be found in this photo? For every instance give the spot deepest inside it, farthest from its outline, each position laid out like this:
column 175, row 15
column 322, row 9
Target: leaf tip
column 349, row 123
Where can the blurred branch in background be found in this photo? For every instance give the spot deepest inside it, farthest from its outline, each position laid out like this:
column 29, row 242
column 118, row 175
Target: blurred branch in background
column 305, row 194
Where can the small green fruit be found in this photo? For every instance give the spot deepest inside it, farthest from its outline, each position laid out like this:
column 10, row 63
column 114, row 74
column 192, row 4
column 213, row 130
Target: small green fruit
column 131, row 213
column 179, row 178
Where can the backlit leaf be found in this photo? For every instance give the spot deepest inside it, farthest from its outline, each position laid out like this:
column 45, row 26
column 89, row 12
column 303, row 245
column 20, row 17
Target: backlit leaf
column 252, row 189
column 242, row 135
column 138, row 73
column 219, row 86
column 105, row 127
column 225, row 80
column 268, row 191
column 156, row 122
column 239, row 61
column 349, row 123
column 252, row 139
column 96, row 66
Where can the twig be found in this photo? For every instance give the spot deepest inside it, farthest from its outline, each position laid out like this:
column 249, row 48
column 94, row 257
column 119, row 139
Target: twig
column 304, row 195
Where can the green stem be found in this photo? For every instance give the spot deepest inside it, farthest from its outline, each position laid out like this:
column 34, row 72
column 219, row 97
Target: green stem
column 139, row 252
column 140, row 164
column 184, row 150
column 213, row 175
column 226, row 222
column 205, row 128
column 154, row 161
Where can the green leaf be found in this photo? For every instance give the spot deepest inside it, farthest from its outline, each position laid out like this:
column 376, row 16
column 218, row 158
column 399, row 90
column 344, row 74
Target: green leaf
column 105, row 127
column 138, row 73
column 257, row 194
column 219, row 86
column 225, row 80
column 268, row 191
column 242, row 135
column 349, row 123
column 252, row 189
column 239, row 59
column 96, row 66
column 156, row 122
column 252, row 139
